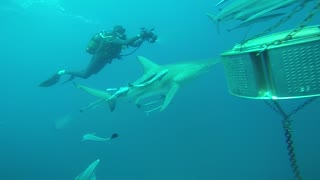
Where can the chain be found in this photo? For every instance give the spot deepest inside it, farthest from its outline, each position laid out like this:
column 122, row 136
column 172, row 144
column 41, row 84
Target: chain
column 277, row 108
column 286, row 122
column 287, row 126
column 280, row 110
column 305, row 21
column 309, row 101
column 272, row 107
column 289, row 36
column 281, row 21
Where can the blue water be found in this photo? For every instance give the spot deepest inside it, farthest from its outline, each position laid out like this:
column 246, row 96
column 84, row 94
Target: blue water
column 205, row 133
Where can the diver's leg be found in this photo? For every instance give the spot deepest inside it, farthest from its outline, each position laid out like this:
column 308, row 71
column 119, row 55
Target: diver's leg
column 96, row 64
column 80, row 74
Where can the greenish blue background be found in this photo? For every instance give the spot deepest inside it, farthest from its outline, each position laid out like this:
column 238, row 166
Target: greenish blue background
column 204, row 134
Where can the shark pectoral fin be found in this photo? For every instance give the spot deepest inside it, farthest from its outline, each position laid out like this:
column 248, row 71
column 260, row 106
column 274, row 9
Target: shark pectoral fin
column 211, row 17
column 137, row 101
column 214, row 20
column 169, row 96
column 138, row 106
column 112, row 104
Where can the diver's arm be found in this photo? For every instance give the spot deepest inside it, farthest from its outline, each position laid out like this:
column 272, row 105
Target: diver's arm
column 130, row 41
column 136, row 43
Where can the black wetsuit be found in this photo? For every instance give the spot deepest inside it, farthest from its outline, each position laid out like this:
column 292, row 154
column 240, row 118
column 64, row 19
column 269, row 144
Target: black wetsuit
column 110, row 49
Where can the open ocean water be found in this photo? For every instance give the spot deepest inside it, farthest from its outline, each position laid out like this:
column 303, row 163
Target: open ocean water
column 204, row 134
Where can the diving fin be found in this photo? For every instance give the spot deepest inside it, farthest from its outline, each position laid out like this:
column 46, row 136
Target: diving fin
column 51, row 81
column 114, row 135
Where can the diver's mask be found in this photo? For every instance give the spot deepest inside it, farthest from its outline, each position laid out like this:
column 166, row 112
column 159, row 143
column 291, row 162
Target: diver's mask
column 120, row 35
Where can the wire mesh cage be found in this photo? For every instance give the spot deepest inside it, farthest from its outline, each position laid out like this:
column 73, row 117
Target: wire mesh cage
column 266, row 67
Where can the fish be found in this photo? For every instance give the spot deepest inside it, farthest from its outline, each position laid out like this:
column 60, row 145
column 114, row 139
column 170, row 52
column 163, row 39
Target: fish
column 94, row 137
column 257, row 20
column 244, row 10
column 89, row 172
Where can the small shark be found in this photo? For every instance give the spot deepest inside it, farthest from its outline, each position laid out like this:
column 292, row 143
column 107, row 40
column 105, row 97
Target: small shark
column 155, row 77
column 89, row 173
column 220, row 2
column 93, row 137
column 263, row 18
column 245, row 10
column 173, row 76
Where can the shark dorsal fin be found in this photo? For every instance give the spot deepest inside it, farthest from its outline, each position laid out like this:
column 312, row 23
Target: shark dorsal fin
column 147, row 64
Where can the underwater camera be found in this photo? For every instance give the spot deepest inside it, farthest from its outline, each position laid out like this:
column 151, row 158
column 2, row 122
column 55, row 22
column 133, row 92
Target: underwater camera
column 151, row 36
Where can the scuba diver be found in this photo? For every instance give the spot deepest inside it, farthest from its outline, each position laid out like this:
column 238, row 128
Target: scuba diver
column 104, row 46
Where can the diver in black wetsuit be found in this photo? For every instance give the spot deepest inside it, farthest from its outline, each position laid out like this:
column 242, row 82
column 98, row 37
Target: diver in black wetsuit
column 104, row 46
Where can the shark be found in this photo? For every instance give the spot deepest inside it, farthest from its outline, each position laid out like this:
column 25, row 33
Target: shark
column 220, row 2
column 263, row 18
column 94, row 137
column 162, row 81
column 89, row 172
column 245, row 10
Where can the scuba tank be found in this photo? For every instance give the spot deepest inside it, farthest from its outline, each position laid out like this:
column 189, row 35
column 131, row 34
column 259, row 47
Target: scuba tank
column 96, row 42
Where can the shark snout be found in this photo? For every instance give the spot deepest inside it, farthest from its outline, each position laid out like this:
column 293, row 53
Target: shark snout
column 97, row 161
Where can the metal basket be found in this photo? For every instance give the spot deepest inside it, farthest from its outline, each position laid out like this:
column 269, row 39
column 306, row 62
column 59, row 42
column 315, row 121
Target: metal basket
column 290, row 69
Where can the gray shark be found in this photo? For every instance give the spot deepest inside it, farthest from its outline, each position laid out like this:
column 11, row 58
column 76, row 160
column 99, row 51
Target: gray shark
column 263, row 18
column 93, row 137
column 89, row 172
column 220, row 2
column 169, row 79
column 245, row 10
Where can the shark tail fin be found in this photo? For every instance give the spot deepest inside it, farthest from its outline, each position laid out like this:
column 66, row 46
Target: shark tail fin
column 102, row 95
column 94, row 92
